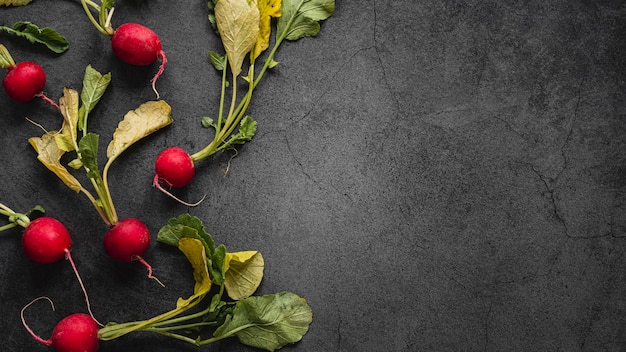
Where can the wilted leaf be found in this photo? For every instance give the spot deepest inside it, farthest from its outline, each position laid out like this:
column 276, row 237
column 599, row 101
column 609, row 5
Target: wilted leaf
column 14, row 2
column 68, row 104
column 267, row 10
column 268, row 322
column 149, row 117
column 49, row 154
column 194, row 251
column 244, row 272
column 238, row 25
column 46, row 36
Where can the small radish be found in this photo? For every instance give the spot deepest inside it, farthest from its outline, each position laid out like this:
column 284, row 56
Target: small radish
column 127, row 241
column 138, row 45
column 132, row 43
column 174, row 167
column 23, row 81
column 46, row 240
column 74, row 333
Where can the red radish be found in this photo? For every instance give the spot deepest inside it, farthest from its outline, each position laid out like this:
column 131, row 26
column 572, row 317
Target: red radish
column 128, row 240
column 138, row 45
column 74, row 333
column 24, row 81
column 46, row 240
column 174, row 167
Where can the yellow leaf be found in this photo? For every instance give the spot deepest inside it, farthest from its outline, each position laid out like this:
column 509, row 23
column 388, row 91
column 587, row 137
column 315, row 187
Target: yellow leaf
column 149, row 117
column 14, row 2
column 244, row 272
column 49, row 154
column 195, row 253
column 267, row 10
column 68, row 105
column 238, row 25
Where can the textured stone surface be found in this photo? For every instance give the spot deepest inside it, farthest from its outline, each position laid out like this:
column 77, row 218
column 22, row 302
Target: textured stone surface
column 430, row 176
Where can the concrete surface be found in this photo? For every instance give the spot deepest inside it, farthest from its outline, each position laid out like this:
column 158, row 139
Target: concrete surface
column 430, row 176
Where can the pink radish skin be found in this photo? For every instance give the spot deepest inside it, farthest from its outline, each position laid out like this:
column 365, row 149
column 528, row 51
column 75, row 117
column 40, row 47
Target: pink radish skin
column 174, row 167
column 128, row 240
column 76, row 333
column 24, row 81
column 138, row 45
column 46, row 240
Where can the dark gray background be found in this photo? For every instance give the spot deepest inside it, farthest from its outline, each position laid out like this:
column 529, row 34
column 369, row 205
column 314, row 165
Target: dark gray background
column 429, row 175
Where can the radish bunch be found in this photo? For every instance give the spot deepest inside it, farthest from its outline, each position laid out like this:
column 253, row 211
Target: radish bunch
column 132, row 43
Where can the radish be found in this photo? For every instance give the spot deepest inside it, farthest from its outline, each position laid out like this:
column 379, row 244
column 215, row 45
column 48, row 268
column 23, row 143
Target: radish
column 23, row 81
column 132, row 43
column 74, row 333
column 127, row 241
column 46, row 240
column 174, row 167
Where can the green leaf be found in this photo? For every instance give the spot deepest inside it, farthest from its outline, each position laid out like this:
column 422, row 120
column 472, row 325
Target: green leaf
column 300, row 18
column 247, row 130
column 5, row 57
column 238, row 25
column 88, row 151
column 183, row 226
column 218, row 61
column 212, row 19
column 14, row 2
column 149, row 117
column 268, row 322
column 208, row 122
column 94, row 86
column 218, row 262
column 46, row 36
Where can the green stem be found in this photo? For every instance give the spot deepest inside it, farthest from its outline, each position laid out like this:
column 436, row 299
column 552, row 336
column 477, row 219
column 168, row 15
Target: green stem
column 92, row 19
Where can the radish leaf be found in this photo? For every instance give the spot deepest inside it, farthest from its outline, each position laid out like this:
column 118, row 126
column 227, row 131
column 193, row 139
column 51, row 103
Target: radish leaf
column 5, row 57
column 247, row 130
column 68, row 104
column 243, row 273
column 267, row 10
column 238, row 25
column 149, row 117
column 46, row 36
column 194, row 251
column 268, row 322
column 185, row 225
column 49, row 154
column 14, row 2
column 299, row 18
column 94, row 86
column 88, row 151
